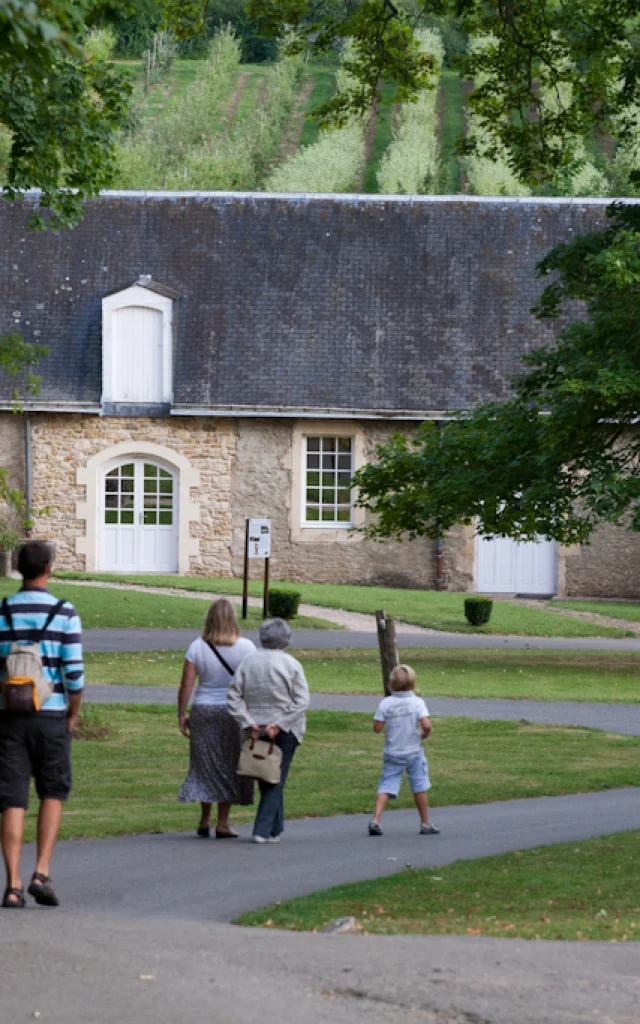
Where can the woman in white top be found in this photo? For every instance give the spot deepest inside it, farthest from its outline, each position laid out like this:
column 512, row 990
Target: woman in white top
column 214, row 737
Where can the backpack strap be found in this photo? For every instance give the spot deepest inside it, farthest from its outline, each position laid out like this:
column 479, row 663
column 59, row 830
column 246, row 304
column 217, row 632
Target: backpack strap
column 50, row 617
column 9, row 620
column 223, row 662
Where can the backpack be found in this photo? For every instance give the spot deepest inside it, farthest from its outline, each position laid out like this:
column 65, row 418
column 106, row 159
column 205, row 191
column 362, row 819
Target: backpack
column 24, row 687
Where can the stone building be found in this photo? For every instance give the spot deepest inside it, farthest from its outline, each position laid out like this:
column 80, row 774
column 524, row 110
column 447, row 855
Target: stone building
column 218, row 356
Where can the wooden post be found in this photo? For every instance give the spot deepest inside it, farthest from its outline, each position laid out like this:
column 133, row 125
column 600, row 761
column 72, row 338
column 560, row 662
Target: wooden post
column 155, row 51
column 147, row 73
column 265, row 596
column 245, row 582
column 387, row 645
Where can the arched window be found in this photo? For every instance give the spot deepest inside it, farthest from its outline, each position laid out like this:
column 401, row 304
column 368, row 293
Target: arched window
column 137, row 347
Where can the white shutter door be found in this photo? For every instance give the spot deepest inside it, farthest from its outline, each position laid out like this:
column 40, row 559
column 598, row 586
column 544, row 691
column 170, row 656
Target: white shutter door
column 536, row 567
column 495, row 566
column 137, row 355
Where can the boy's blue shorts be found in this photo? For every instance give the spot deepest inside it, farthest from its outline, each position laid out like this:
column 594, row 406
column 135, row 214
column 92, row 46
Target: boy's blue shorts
column 417, row 771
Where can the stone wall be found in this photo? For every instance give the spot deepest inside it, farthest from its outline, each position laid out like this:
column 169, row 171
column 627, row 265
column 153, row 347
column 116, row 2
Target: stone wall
column 63, row 443
column 608, row 567
column 12, row 447
column 263, row 486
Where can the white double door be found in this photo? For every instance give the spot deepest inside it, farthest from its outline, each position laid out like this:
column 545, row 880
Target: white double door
column 504, row 566
column 139, row 529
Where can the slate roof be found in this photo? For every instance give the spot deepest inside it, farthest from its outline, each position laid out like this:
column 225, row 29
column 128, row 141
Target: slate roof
column 405, row 305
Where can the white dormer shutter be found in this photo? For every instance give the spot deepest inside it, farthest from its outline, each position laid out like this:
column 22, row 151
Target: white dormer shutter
column 137, row 347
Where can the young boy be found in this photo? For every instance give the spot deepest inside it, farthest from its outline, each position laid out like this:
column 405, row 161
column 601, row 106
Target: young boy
column 405, row 719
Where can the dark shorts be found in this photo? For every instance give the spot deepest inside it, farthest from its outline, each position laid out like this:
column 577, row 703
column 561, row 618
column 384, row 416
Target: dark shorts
column 34, row 744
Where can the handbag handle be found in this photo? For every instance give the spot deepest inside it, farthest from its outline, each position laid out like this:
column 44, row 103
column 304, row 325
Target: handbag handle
column 252, row 742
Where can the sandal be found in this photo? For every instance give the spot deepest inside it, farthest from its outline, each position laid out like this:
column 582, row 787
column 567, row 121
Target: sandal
column 42, row 890
column 226, row 834
column 18, row 902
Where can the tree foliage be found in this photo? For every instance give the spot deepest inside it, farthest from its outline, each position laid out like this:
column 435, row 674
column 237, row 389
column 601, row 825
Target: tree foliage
column 586, row 49
column 563, row 455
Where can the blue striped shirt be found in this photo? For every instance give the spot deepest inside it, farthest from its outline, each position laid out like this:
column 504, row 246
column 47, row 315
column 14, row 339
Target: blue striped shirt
column 61, row 649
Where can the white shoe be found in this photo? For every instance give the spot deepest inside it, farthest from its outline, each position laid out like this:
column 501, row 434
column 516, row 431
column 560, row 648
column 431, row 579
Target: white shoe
column 273, row 839
column 259, row 839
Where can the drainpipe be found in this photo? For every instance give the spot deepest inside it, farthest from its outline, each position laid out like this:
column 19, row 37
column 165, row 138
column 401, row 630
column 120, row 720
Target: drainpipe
column 28, row 482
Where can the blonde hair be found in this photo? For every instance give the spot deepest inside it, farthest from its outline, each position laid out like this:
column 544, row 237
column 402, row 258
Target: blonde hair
column 402, row 678
column 221, row 624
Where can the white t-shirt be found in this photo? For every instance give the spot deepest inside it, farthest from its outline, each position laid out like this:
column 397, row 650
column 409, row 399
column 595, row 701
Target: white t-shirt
column 213, row 679
column 401, row 713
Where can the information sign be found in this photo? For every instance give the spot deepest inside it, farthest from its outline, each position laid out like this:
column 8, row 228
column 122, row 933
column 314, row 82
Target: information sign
column 259, row 538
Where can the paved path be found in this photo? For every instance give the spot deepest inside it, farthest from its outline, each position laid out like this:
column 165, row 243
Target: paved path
column 621, row 718
column 137, row 937
column 114, row 640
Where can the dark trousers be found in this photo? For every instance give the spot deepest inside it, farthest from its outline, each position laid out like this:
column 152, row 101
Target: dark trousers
column 270, row 817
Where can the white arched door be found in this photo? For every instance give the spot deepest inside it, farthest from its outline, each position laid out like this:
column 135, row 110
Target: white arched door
column 139, row 529
column 504, row 566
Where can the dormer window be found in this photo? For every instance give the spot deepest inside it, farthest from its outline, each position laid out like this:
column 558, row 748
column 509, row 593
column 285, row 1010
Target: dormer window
column 137, row 348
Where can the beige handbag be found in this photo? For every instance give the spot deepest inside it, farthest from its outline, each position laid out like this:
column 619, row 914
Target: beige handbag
column 261, row 760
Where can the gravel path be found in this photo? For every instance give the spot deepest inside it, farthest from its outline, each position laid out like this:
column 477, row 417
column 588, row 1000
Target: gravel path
column 600, row 620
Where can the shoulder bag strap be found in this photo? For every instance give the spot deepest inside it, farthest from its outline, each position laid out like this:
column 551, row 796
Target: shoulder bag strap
column 50, row 617
column 223, row 662
column 9, row 620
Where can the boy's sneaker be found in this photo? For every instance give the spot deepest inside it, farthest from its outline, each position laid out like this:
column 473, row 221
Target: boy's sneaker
column 429, row 829
column 375, row 828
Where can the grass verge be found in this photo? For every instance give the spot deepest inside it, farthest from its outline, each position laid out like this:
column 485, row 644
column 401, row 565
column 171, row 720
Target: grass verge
column 452, row 130
column 585, row 890
column 128, row 781
column 615, row 610
column 324, row 86
column 102, row 608
column 520, row 675
column 430, row 608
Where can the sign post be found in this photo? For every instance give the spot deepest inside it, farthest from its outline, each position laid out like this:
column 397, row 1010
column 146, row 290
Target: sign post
column 257, row 545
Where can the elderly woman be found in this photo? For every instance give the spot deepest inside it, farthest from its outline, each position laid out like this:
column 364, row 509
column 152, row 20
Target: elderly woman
column 269, row 695
column 214, row 737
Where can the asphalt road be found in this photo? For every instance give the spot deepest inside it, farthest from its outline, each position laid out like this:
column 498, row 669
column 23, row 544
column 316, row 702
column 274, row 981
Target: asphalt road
column 114, row 640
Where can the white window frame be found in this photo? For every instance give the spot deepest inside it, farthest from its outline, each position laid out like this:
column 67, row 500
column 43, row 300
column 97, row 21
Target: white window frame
column 136, row 295
column 316, row 532
column 314, row 524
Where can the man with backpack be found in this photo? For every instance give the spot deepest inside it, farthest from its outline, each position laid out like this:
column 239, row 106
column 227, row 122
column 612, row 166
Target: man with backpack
column 42, row 676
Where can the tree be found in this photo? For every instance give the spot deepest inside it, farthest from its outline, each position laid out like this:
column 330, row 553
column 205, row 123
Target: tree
column 552, row 73
column 563, row 455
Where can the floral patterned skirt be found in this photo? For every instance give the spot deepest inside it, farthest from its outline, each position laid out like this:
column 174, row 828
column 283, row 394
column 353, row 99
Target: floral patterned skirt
column 214, row 750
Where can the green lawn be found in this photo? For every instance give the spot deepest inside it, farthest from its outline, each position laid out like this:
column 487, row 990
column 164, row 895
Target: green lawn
column 443, row 611
column 101, row 608
column 128, row 782
column 324, row 86
column 586, row 890
column 614, row 609
column 521, row 675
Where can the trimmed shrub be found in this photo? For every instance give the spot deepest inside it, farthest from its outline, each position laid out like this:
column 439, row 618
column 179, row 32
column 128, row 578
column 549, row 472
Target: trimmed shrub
column 284, row 604
column 478, row 610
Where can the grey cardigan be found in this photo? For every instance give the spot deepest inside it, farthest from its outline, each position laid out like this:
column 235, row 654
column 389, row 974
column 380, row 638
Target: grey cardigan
column 270, row 687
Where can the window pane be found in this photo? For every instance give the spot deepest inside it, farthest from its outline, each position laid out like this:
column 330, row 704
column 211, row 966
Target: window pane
column 313, row 514
column 313, row 494
column 126, row 518
column 344, row 496
column 166, row 518
column 328, row 479
column 111, row 485
column 313, row 444
column 313, row 462
column 166, row 486
column 111, row 501
column 126, row 501
column 165, row 474
column 328, row 444
column 150, row 486
column 149, row 470
column 127, row 484
column 328, row 497
column 344, row 462
column 344, row 444
column 328, row 461
column 343, row 478
column 344, row 515
column 113, row 472
column 166, row 501
column 150, row 519
column 328, row 515
column 127, row 470
column 110, row 517
column 150, row 501
column 313, row 479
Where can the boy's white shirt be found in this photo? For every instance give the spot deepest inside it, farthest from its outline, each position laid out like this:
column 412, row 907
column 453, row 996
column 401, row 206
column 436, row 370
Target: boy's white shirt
column 401, row 713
